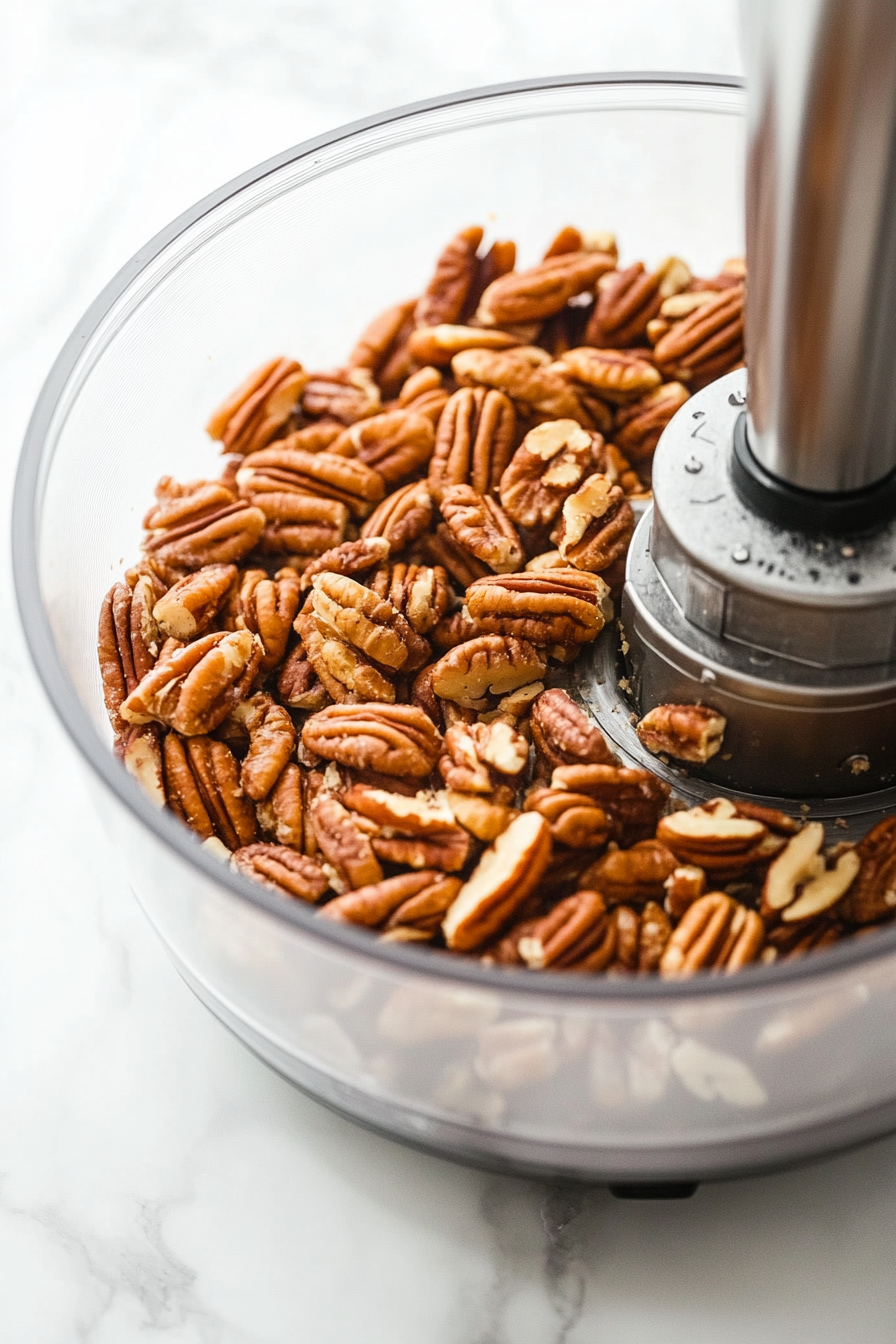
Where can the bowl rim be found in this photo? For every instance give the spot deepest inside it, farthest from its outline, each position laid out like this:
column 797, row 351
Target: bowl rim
column 422, row 961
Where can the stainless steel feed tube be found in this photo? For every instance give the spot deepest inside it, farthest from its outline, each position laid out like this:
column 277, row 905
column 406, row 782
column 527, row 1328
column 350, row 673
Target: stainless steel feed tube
column 821, row 240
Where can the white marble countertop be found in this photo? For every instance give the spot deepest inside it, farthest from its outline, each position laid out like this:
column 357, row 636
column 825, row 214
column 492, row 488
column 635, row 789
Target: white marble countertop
column 157, row 1181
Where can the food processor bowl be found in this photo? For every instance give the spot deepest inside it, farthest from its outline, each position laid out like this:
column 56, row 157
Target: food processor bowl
column 628, row 1080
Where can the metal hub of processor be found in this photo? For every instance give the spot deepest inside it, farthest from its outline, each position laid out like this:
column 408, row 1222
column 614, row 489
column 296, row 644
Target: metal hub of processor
column 763, row 580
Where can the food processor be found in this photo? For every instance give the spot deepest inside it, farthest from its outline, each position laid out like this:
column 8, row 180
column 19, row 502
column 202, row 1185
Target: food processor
column 761, row 582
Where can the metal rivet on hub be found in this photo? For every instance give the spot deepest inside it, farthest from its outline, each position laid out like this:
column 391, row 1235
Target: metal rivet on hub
column 740, row 555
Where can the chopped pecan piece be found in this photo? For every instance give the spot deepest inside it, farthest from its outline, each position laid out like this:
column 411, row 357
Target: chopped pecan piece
column 438, row 345
column 527, row 296
column 383, row 347
column 684, row 885
column 203, row 788
column 616, row 375
column 402, row 517
column 195, row 688
column 375, row 905
column 140, row 750
column 371, row 623
column 626, row 876
column 687, row 732
column 564, row 735
column 576, row 820
column 298, row 685
column 351, row 558
column 322, row 475
column 346, row 395
column 419, row 592
column 706, row 344
column 283, row 869
column 282, row 814
column 396, row 443
column 555, row 606
column 127, row 643
column 411, row 831
column 639, row 425
column 343, row 843
column 715, row 934
column 474, row 441
column 549, row 464
column 272, row 741
column 715, row 838
column 596, row 525
column 189, row 607
column 632, row 798
column 569, row 935
column 252, row 415
column 799, row 885
column 486, row 665
column 268, row 608
column 503, row 879
column 627, row 300
column 873, row 894
column 527, row 376
column 199, row 524
column 483, row 758
column 445, row 297
column 480, row 526
column 394, row 739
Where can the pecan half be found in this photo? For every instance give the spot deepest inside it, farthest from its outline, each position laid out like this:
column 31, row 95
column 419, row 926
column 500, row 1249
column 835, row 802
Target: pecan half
column 396, row 443
column 419, row 592
column 480, row 526
column 485, row 758
column 527, row 296
column 639, row 425
column 474, row 441
column 486, row 665
column 576, row 820
column 343, row 843
column 277, row 866
column 501, row 882
column 596, row 525
column 555, row 606
column 127, row 643
column 282, row 814
column 268, row 608
column 564, row 735
column 632, row 798
column 569, row 935
column 717, row 933
column 195, row 688
column 549, row 464
column 371, row 623
column 873, row 894
column 298, row 685
column 383, row 347
column 323, row 475
column 350, row 558
column 411, row 831
column 632, row 876
column 252, row 415
column 486, row 820
column 705, row 344
column 616, row 375
column 799, row 885
column 346, row 395
column 402, row 517
column 527, row 376
column 377, row 904
column 140, row 750
column 345, row 674
column 627, row 300
column 653, row 937
column 296, row 523
column 394, row 739
column 715, row 838
column 445, row 297
column 684, row 885
column 441, row 548
column 199, row 524
column 189, row 607
column 203, row 788
column 687, row 732
column 438, row 345
column 272, row 741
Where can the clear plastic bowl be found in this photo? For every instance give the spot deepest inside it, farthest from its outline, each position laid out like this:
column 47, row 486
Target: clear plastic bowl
column 618, row 1079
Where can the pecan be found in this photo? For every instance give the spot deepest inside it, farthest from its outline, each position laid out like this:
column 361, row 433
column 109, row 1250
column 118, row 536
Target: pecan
column 272, row 741
column 350, row 558
column 196, row 687
column 627, row 927
column 706, row 344
column 499, row 260
column 454, row 629
column 481, row 526
column 576, row 820
column 127, row 643
column 277, row 866
column 438, row 345
column 346, row 395
column 474, row 441
column 343, row 843
column 314, row 438
column 555, row 606
column 372, row 624
column 873, row 894
column 639, row 425
column 714, row 838
column 486, row 665
column 653, row 936
column 419, row 592
column 632, row 798
column 483, row 758
column 394, row 739
column 486, row 820
column 425, row 910
column 787, row 941
column 596, row 525
column 402, row 517
column 140, row 750
column 445, row 297
column 687, row 732
column 411, row 831
column 268, row 608
column 198, row 524
column 569, row 935
column 684, row 885
column 799, row 885
column 635, row 875
column 375, row 905
column 252, row 415
column 564, row 735
column 627, row 300
column 616, row 375
column 324, row 475
column 716, row 933
column 383, row 347
column 443, row 549
column 344, row 673
column 203, row 788
column 527, row 296
column 507, row 873
column 296, row 523
column 396, row 443
column 527, row 376
column 189, row 607
column 281, row 814
column 297, row 684
column 548, row 465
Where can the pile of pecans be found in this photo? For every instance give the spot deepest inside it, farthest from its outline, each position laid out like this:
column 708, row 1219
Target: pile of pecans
column 334, row 661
